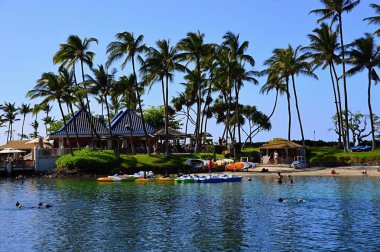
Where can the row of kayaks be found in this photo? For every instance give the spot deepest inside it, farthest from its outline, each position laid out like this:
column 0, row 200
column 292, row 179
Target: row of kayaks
column 149, row 177
column 229, row 164
column 210, row 178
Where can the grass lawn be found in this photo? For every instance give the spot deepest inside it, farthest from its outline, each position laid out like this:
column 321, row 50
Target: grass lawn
column 332, row 154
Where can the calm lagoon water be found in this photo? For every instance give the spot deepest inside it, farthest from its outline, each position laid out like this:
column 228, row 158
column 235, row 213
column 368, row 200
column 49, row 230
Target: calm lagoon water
column 339, row 214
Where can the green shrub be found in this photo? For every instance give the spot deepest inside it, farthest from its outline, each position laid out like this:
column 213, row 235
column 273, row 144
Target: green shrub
column 89, row 161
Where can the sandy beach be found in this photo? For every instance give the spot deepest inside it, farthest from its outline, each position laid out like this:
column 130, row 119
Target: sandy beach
column 373, row 171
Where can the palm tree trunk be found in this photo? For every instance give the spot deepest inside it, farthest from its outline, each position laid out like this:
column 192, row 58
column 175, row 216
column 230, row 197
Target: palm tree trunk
column 109, row 121
column 64, row 121
column 340, row 105
column 167, row 116
column 141, row 110
column 336, row 107
column 130, row 123
column 237, row 113
column 199, row 102
column 22, row 128
column 344, row 84
column 298, row 111
column 75, row 124
column 289, row 110
column 370, row 110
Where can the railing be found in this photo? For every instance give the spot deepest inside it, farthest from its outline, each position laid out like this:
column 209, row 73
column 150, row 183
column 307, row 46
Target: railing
column 18, row 164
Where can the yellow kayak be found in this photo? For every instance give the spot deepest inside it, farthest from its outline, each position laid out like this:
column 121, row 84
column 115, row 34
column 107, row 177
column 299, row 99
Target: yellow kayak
column 116, row 179
column 146, row 180
column 165, row 179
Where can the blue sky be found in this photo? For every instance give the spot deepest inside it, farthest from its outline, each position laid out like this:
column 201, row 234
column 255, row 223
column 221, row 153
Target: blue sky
column 31, row 32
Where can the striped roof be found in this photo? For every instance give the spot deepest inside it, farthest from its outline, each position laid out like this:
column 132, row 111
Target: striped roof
column 83, row 126
column 121, row 125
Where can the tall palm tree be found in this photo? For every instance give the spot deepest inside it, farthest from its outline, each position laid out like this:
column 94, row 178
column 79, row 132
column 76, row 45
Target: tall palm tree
column 194, row 50
column 364, row 54
column 321, row 51
column 237, row 53
column 375, row 19
column 70, row 95
column 10, row 116
column 333, row 9
column 101, row 84
column 73, row 51
column 50, row 89
column 159, row 66
column 130, row 47
column 24, row 109
column 68, row 55
column 287, row 63
column 125, row 87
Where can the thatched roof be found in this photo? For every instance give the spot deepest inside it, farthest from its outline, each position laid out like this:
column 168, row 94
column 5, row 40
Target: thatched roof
column 281, row 144
column 18, row 144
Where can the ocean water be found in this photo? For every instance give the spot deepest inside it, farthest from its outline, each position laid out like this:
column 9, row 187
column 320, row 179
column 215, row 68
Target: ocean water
column 339, row 214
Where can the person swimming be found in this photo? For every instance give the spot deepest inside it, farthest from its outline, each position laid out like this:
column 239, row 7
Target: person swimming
column 18, row 205
column 44, row 205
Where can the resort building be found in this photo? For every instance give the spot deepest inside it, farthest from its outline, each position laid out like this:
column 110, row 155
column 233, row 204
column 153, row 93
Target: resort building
column 124, row 126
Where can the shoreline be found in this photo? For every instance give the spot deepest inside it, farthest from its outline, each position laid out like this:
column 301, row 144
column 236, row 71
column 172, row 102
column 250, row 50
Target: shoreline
column 343, row 171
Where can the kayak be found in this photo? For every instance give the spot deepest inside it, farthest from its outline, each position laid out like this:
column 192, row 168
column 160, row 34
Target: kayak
column 146, row 180
column 117, row 178
column 185, row 179
column 238, row 166
column 165, row 179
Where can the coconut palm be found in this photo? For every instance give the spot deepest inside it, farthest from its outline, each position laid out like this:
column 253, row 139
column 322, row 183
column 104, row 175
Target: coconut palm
column 237, row 53
column 194, row 50
column 333, row 9
column 129, row 47
column 24, row 109
column 321, row 51
column 365, row 55
column 50, row 89
column 101, row 84
column 10, row 116
column 125, row 87
column 287, row 63
column 47, row 119
column 375, row 19
column 159, row 66
column 68, row 55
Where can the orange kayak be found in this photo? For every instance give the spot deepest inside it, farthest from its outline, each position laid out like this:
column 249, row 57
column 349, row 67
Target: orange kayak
column 238, row 166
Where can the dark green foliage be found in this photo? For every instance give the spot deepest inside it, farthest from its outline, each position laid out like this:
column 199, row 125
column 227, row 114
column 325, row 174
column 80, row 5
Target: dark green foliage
column 89, row 161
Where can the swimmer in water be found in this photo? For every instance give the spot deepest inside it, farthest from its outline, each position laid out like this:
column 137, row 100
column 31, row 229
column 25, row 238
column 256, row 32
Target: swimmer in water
column 44, row 205
column 18, row 205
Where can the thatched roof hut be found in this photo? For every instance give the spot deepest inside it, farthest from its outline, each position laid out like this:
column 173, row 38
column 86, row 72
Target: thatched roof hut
column 287, row 151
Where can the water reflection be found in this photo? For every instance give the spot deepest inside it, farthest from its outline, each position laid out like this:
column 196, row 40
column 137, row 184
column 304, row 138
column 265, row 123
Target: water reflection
column 339, row 214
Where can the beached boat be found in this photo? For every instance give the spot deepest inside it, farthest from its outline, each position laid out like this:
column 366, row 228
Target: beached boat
column 196, row 162
column 185, row 179
column 230, row 178
column 143, row 180
column 239, row 166
column 117, row 178
column 223, row 161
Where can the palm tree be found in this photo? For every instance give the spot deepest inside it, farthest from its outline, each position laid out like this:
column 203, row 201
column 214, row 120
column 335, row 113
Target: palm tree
column 321, row 51
column 10, row 116
column 49, row 88
column 238, row 57
column 364, row 54
column 129, row 47
column 159, row 66
column 101, row 85
column 47, row 120
column 287, row 63
column 375, row 19
column 194, row 50
column 69, row 54
column 24, row 109
column 333, row 9
column 125, row 86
